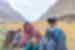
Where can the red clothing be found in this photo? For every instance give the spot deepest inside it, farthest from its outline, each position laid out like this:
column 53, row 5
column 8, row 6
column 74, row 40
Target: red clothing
column 28, row 33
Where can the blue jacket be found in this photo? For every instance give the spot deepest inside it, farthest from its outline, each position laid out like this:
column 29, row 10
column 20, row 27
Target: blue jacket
column 60, row 39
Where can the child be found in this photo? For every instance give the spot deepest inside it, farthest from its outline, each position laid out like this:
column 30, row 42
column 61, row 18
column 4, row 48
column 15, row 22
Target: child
column 58, row 35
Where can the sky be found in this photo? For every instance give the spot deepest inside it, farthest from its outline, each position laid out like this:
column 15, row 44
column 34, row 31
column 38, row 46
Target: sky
column 31, row 10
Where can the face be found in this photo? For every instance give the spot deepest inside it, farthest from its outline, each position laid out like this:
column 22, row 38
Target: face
column 27, row 27
column 53, row 24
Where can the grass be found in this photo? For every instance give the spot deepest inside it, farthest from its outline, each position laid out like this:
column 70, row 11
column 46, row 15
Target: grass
column 68, row 28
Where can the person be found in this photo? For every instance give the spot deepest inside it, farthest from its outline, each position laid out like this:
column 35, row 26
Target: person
column 37, row 39
column 16, row 38
column 9, row 38
column 34, row 43
column 58, row 41
column 28, row 33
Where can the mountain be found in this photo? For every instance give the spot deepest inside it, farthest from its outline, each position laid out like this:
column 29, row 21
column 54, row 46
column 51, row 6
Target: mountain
column 8, row 14
column 62, row 8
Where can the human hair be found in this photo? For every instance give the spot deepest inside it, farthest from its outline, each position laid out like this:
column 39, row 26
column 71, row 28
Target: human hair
column 51, row 20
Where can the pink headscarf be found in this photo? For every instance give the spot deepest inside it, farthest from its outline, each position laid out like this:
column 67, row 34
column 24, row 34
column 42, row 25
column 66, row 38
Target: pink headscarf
column 28, row 28
column 28, row 32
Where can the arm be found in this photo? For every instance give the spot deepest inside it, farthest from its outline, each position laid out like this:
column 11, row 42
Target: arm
column 43, row 42
column 62, row 41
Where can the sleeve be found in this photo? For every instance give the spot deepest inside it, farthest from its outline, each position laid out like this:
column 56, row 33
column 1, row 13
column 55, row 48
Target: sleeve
column 62, row 41
column 43, row 41
column 42, row 44
column 27, row 47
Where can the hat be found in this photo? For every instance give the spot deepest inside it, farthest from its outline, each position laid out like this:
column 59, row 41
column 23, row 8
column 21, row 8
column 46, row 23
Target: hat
column 52, row 19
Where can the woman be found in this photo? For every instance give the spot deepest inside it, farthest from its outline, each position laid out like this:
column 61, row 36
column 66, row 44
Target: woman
column 34, row 43
column 28, row 33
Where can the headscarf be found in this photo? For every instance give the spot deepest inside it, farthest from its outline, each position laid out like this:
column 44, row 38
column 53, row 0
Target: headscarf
column 28, row 28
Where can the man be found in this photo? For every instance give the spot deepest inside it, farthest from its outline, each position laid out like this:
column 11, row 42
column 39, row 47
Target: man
column 55, row 36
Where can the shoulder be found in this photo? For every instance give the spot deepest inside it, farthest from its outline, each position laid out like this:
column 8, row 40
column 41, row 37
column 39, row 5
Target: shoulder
column 62, row 33
column 58, row 28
